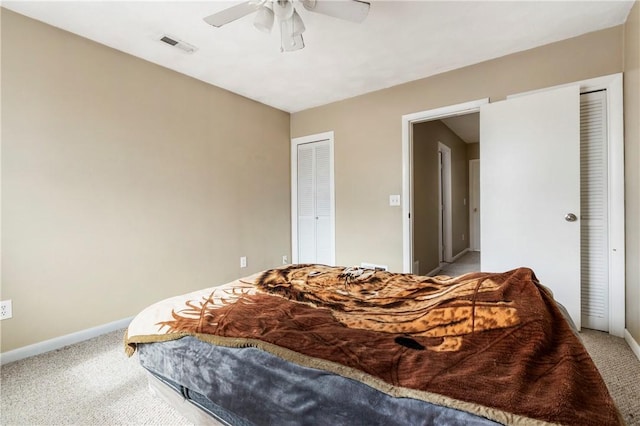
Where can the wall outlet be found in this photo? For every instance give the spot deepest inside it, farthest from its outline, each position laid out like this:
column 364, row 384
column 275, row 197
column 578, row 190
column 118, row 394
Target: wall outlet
column 6, row 310
column 285, row 260
column 243, row 262
column 394, row 200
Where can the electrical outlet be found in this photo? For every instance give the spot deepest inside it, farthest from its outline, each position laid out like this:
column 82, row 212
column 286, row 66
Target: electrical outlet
column 243, row 262
column 6, row 310
column 285, row 260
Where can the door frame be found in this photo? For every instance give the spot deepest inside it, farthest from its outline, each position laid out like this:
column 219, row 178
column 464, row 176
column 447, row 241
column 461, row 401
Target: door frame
column 615, row 150
column 474, row 241
column 408, row 121
column 615, row 125
column 318, row 137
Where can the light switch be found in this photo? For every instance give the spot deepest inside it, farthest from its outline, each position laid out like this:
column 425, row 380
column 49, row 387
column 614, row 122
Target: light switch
column 394, row 200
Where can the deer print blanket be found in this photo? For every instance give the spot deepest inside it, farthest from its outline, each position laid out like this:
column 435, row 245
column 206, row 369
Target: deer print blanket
column 494, row 344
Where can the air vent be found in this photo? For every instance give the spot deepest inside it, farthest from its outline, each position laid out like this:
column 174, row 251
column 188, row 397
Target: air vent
column 182, row 45
column 169, row 40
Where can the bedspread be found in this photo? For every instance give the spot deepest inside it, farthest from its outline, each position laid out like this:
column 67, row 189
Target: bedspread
column 492, row 344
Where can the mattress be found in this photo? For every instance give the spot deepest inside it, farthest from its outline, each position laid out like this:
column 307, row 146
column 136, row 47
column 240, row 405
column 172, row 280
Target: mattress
column 253, row 387
column 313, row 344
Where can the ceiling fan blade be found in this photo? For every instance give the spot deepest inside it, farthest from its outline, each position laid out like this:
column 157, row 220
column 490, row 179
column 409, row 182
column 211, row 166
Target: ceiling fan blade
column 350, row 10
column 231, row 14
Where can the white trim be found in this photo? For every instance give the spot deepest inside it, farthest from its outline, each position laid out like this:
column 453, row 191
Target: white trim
column 597, row 83
column 635, row 348
column 408, row 121
column 459, row 255
column 473, row 244
column 617, row 279
column 442, row 265
column 615, row 125
column 318, row 137
column 434, row 271
column 62, row 341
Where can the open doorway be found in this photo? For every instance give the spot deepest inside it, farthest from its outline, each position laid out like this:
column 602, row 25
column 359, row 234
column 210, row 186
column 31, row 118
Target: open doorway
column 439, row 182
column 614, row 258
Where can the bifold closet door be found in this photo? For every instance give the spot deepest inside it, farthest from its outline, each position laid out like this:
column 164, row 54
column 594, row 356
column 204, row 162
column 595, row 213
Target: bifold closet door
column 314, row 203
column 594, row 223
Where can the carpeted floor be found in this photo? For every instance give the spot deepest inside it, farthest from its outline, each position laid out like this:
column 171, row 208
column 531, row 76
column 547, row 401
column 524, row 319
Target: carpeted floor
column 620, row 369
column 94, row 383
column 89, row 383
column 468, row 262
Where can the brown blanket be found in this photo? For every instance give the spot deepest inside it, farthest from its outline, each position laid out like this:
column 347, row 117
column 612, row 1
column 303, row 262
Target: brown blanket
column 493, row 344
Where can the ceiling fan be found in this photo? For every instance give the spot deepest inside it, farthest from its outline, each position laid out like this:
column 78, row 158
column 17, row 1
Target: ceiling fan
column 284, row 12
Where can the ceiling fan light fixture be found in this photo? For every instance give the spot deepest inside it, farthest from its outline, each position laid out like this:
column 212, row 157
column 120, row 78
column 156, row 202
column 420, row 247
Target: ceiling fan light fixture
column 264, row 19
column 289, row 41
column 297, row 26
column 289, row 21
column 283, row 9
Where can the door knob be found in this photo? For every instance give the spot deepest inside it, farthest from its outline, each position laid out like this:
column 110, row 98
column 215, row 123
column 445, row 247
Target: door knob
column 570, row 217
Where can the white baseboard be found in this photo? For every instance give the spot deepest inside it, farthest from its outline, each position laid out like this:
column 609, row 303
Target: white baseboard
column 443, row 264
column 62, row 341
column 632, row 343
column 459, row 255
column 433, row 272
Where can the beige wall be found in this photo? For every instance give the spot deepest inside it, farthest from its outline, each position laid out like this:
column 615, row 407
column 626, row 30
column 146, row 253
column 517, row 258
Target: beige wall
column 473, row 151
column 425, row 199
column 632, row 167
column 124, row 183
column 368, row 127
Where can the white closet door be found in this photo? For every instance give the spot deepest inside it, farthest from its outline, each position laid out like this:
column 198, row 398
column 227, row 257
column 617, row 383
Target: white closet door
column 315, row 242
column 594, row 209
column 306, row 205
column 323, row 203
column 529, row 181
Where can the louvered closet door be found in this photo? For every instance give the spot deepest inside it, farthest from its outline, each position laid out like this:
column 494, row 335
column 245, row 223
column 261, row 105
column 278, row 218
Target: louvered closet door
column 594, row 208
column 314, row 204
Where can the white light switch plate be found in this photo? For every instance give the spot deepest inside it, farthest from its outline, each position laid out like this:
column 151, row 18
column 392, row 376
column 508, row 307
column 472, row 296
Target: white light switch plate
column 394, row 200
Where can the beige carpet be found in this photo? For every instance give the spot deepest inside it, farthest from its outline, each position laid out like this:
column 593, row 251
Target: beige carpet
column 94, row 383
column 90, row 383
column 620, row 369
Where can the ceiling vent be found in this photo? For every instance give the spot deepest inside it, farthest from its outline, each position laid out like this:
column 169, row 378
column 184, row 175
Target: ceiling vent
column 182, row 45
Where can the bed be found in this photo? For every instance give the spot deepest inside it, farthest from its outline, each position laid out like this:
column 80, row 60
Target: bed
column 320, row 345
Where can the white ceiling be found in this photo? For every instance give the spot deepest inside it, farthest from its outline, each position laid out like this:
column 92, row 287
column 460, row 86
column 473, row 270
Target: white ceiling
column 466, row 126
column 400, row 41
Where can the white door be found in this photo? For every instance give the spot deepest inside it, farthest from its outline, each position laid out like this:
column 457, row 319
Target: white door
column 530, row 185
column 474, row 205
column 313, row 209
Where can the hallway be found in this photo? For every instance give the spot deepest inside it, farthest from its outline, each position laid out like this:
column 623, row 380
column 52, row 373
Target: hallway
column 469, row 262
